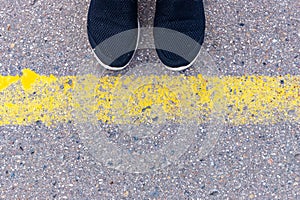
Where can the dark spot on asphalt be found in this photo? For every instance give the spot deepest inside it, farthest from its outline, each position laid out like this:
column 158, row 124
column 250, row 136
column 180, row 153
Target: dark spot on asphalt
column 155, row 119
column 187, row 193
column 297, row 156
column 214, row 193
column 70, row 82
column 38, row 122
column 144, row 109
column 155, row 193
column 135, row 138
column 33, row 2
column 110, row 163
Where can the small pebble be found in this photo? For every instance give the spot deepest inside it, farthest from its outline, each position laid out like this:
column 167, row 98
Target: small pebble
column 214, row 192
column 297, row 156
column 126, row 193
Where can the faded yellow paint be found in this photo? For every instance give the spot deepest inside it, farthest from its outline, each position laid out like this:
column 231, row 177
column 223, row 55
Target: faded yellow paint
column 29, row 98
column 5, row 81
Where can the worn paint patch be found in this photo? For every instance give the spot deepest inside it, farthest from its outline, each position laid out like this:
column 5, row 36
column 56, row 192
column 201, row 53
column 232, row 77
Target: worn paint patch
column 32, row 98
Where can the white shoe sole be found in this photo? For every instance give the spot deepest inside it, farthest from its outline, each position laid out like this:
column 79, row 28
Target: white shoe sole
column 184, row 67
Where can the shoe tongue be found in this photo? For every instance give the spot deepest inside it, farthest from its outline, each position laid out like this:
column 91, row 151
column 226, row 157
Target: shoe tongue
column 180, row 8
column 119, row 5
column 116, row 6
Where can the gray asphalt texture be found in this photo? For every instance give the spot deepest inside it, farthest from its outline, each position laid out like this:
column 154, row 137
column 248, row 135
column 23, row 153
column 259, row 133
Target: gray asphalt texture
column 249, row 162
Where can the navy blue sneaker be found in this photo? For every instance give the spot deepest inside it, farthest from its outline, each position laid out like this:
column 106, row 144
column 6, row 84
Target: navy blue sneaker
column 179, row 28
column 113, row 33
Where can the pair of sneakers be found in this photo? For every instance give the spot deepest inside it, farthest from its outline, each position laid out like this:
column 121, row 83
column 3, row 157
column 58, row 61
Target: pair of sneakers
column 113, row 31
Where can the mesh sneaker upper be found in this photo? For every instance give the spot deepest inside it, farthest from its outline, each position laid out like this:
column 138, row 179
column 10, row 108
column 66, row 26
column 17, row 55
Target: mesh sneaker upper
column 186, row 17
column 107, row 18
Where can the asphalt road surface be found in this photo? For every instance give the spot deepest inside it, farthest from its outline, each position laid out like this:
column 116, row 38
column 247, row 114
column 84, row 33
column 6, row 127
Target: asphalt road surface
column 46, row 153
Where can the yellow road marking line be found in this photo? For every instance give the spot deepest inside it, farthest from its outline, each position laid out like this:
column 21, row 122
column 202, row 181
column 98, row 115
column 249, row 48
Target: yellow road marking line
column 245, row 99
